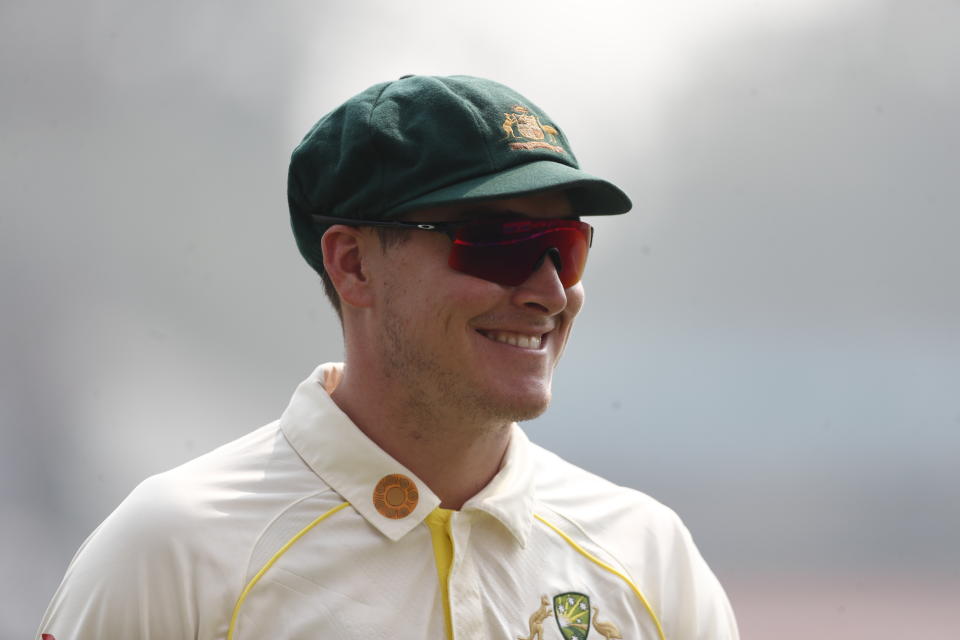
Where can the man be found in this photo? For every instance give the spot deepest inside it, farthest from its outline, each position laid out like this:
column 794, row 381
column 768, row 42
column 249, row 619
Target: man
column 396, row 497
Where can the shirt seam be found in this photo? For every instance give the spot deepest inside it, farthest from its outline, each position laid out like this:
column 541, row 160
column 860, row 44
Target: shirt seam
column 622, row 575
column 612, row 556
column 248, row 585
column 245, row 577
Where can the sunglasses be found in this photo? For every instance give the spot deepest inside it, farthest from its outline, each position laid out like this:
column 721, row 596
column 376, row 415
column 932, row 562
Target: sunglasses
column 504, row 250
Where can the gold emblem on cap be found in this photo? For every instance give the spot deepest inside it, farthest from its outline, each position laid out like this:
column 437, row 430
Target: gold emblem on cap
column 395, row 496
column 526, row 126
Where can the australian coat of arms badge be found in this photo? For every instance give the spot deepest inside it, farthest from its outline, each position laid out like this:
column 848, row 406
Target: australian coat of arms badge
column 573, row 614
column 525, row 131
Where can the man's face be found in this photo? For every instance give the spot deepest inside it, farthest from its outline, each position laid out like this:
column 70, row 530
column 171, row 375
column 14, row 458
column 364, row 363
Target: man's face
column 480, row 348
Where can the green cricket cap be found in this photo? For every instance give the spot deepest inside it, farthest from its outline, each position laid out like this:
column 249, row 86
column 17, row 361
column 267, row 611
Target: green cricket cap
column 424, row 141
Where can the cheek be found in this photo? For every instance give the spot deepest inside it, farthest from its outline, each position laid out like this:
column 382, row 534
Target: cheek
column 575, row 297
column 440, row 301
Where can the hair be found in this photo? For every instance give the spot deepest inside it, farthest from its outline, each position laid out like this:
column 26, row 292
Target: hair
column 388, row 237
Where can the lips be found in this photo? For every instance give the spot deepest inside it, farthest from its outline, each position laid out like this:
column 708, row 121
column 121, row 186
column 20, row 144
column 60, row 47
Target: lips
column 522, row 340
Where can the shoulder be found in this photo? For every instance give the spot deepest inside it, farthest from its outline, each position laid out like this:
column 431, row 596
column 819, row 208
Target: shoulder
column 212, row 509
column 180, row 544
column 224, row 489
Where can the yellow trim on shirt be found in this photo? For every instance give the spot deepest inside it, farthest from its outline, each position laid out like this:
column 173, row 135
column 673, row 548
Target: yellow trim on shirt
column 604, row 565
column 442, row 537
column 272, row 561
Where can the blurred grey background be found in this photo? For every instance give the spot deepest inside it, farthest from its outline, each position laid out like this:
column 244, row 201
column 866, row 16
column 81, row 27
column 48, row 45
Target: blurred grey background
column 771, row 342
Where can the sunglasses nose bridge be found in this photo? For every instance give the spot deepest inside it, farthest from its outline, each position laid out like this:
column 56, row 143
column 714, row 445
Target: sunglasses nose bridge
column 554, row 254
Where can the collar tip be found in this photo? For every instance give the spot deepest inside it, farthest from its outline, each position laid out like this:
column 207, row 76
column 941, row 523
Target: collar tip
column 521, row 532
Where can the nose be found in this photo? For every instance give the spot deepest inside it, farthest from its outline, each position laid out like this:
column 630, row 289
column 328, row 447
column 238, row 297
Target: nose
column 543, row 291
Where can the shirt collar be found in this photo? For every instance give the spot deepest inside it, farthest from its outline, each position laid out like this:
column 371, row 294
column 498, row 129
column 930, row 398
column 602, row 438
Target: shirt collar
column 508, row 497
column 352, row 464
column 343, row 456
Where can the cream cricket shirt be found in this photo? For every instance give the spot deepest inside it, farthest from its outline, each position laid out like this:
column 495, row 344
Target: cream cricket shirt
column 305, row 529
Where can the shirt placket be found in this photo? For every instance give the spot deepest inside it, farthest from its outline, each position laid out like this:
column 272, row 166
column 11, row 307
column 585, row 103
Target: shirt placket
column 465, row 604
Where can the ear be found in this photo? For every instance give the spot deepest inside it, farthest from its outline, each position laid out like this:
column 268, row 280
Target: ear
column 344, row 253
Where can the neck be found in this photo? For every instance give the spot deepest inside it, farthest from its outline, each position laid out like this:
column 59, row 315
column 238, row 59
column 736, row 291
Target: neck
column 455, row 455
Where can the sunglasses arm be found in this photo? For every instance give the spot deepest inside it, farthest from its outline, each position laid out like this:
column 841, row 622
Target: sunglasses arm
column 322, row 222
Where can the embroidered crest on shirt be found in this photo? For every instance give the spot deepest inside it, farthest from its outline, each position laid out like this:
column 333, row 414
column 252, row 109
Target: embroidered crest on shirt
column 536, row 620
column 527, row 132
column 607, row 629
column 572, row 612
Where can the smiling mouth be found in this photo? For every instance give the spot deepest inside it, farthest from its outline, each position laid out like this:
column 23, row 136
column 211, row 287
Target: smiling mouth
column 522, row 340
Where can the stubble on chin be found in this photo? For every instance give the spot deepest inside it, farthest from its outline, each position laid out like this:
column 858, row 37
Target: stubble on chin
column 432, row 390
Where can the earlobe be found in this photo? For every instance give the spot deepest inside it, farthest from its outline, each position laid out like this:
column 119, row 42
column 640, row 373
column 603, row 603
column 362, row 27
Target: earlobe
column 343, row 259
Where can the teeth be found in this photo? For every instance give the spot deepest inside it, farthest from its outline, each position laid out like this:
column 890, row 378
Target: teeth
column 516, row 339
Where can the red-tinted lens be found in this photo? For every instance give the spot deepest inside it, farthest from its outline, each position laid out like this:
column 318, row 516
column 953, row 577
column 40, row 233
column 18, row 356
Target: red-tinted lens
column 509, row 251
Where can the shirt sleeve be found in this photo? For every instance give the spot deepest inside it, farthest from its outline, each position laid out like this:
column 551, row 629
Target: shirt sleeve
column 134, row 577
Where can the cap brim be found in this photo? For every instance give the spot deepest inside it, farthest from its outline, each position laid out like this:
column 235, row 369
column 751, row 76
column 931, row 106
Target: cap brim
column 589, row 195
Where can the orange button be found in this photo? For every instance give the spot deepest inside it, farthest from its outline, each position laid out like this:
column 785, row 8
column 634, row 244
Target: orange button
column 395, row 496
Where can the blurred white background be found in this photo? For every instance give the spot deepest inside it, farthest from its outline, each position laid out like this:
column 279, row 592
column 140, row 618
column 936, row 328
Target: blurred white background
column 771, row 342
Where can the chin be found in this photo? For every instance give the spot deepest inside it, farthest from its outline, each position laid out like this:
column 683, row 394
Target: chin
column 530, row 413
column 520, row 409
column 507, row 395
